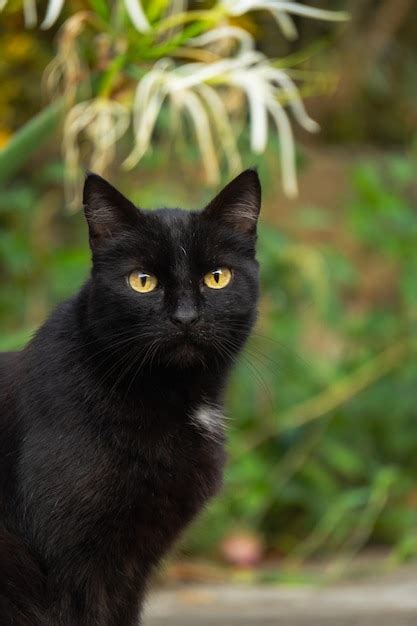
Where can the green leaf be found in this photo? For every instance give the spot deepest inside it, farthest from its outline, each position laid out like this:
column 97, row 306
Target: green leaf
column 102, row 9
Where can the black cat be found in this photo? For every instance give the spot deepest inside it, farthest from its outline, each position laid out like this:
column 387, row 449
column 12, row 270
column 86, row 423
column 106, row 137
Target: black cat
column 111, row 435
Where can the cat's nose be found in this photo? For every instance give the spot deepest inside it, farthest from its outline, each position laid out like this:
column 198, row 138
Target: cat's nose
column 185, row 316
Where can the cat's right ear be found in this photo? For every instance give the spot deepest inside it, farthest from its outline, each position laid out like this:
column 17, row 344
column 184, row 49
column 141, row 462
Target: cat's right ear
column 107, row 211
column 238, row 204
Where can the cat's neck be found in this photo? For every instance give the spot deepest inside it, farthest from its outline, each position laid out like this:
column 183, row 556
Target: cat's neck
column 170, row 387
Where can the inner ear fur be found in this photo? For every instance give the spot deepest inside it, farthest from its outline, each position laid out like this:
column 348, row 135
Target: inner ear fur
column 106, row 209
column 239, row 203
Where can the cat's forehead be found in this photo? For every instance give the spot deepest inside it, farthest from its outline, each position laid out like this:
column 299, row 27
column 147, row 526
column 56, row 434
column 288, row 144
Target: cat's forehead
column 178, row 230
column 175, row 223
column 177, row 239
column 167, row 238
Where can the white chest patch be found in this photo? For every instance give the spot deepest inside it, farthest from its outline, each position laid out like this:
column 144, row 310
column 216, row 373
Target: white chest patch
column 209, row 418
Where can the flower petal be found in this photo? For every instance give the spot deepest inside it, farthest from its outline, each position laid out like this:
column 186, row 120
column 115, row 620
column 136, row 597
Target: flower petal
column 289, row 175
column 192, row 103
column 254, row 89
column 52, row 13
column 221, row 121
column 137, row 15
column 239, row 7
column 30, row 13
column 293, row 97
column 225, row 32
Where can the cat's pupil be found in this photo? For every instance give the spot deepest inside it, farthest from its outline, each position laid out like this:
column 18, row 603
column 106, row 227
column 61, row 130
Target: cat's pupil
column 217, row 276
column 143, row 279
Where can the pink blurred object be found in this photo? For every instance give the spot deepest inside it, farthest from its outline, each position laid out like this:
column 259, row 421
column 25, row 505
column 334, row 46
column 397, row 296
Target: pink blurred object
column 242, row 549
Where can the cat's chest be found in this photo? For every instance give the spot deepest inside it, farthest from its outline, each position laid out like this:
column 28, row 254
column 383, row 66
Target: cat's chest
column 161, row 488
column 175, row 462
column 139, row 473
column 128, row 501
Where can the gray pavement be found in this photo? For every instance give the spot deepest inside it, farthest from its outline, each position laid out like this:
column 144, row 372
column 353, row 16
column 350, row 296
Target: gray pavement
column 380, row 603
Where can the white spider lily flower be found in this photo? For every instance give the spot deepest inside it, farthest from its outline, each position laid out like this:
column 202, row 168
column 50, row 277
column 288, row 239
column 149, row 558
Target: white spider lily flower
column 280, row 10
column 198, row 89
column 177, row 83
column 151, row 92
column 263, row 86
column 54, row 8
column 192, row 74
column 103, row 122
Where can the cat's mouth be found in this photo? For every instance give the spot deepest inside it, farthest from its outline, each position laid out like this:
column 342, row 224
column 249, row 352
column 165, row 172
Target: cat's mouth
column 187, row 346
column 188, row 339
column 185, row 352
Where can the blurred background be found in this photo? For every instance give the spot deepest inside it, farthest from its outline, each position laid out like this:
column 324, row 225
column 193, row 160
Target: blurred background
column 169, row 100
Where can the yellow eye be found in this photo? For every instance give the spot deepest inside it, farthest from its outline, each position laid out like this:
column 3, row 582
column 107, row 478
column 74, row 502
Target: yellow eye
column 142, row 282
column 218, row 279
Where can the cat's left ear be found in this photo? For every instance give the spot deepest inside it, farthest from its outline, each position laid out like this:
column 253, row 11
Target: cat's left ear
column 238, row 204
column 107, row 211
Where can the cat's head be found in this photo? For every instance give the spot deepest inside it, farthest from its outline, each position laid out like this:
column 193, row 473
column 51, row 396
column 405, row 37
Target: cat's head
column 170, row 285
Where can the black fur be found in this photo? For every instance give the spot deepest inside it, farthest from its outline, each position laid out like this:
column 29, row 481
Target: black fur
column 102, row 459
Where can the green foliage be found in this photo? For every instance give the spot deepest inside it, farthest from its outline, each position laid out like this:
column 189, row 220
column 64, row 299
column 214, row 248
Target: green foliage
column 324, row 442
column 40, row 263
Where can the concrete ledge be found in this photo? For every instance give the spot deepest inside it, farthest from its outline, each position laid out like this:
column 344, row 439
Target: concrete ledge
column 390, row 603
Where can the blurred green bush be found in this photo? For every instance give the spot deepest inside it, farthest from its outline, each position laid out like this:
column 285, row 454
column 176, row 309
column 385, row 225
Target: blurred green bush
column 337, row 437
column 324, row 446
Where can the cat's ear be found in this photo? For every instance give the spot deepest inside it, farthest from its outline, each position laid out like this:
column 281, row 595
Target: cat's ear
column 107, row 211
column 238, row 204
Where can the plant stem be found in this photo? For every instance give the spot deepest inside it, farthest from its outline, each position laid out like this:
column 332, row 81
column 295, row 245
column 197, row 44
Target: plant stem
column 28, row 139
column 338, row 392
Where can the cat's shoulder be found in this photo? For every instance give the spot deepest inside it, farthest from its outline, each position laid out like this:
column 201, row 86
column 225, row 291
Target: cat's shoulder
column 8, row 359
column 8, row 371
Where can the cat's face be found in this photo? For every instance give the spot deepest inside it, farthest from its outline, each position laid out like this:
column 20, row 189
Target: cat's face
column 170, row 285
